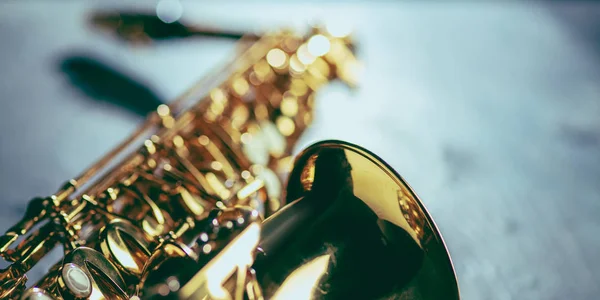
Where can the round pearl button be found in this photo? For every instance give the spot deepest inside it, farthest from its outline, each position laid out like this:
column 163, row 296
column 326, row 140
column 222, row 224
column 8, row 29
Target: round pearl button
column 77, row 280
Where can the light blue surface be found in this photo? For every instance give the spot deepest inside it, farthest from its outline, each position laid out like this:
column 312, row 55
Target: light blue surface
column 491, row 112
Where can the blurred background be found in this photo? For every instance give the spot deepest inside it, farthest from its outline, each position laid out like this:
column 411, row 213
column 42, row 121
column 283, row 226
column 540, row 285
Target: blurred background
column 490, row 111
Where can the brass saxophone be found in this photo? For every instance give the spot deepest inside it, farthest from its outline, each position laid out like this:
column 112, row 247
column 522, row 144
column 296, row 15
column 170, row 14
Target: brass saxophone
column 193, row 205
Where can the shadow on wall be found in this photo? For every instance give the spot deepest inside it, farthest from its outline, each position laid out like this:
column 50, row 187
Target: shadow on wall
column 583, row 20
column 102, row 81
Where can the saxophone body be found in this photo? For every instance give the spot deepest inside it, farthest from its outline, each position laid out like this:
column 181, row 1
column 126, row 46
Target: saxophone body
column 206, row 201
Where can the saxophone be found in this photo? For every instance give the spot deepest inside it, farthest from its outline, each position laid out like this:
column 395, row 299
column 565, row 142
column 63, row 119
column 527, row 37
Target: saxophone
column 206, row 201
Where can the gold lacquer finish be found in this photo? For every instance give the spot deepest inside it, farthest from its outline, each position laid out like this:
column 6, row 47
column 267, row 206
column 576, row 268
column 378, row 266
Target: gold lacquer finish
column 356, row 231
column 193, row 204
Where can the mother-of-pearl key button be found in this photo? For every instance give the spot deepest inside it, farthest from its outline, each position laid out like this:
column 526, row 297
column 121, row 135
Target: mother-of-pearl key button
column 77, row 280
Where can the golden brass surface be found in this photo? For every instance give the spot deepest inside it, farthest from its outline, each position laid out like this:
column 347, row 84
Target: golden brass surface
column 193, row 206
column 356, row 230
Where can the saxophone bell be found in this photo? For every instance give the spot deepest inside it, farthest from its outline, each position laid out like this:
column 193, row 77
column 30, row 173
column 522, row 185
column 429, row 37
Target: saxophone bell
column 351, row 228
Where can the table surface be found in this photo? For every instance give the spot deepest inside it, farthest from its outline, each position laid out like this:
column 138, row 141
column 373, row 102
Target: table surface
column 490, row 111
